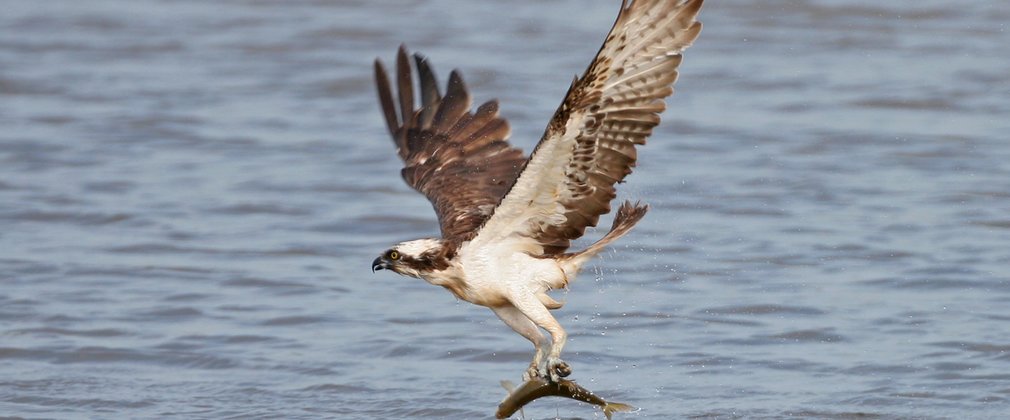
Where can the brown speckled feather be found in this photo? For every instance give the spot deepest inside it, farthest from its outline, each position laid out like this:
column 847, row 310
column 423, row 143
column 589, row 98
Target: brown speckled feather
column 590, row 143
column 460, row 160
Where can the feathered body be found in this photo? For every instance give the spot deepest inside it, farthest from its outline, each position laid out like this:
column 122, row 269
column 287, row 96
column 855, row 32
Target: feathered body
column 507, row 220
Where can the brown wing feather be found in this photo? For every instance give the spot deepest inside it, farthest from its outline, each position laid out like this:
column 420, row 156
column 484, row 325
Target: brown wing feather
column 589, row 145
column 460, row 160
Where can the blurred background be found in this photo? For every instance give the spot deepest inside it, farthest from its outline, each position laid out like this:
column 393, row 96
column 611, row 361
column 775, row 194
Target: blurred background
column 191, row 194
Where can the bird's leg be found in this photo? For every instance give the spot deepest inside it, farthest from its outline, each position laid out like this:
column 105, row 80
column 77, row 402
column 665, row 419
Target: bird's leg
column 530, row 306
column 549, row 302
column 522, row 325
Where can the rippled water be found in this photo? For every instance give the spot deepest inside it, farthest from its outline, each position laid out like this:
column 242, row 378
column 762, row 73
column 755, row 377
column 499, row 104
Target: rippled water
column 191, row 194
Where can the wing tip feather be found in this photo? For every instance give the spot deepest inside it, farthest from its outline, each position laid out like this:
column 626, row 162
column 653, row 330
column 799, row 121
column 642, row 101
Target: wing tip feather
column 386, row 97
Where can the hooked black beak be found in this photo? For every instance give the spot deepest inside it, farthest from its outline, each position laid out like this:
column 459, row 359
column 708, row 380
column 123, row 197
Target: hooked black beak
column 380, row 264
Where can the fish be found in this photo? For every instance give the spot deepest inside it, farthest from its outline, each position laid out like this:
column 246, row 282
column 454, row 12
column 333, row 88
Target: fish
column 539, row 387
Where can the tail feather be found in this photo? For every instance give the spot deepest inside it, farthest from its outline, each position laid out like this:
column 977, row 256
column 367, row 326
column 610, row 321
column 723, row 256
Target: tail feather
column 627, row 216
column 612, row 407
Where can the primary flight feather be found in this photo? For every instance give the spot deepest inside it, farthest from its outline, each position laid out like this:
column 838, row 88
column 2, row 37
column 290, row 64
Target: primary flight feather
column 506, row 220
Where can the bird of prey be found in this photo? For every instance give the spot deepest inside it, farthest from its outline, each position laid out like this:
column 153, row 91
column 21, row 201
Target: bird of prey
column 507, row 220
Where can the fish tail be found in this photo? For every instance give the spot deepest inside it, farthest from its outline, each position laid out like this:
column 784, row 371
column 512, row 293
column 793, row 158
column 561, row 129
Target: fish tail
column 611, row 407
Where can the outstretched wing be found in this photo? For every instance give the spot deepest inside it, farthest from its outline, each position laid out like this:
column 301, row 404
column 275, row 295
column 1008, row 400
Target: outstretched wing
column 589, row 144
column 460, row 160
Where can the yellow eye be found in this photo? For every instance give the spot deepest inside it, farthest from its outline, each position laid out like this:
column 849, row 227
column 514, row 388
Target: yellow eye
column 393, row 255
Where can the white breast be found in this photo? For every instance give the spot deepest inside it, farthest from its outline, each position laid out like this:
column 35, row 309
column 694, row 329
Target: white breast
column 493, row 273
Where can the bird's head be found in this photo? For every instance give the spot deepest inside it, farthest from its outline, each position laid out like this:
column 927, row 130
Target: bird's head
column 414, row 258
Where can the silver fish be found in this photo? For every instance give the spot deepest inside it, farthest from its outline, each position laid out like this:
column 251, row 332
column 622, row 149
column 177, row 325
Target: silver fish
column 537, row 388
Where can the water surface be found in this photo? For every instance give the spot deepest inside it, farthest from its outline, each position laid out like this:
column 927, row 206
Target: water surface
column 191, row 194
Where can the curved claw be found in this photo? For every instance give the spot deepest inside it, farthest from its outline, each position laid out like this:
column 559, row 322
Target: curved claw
column 557, row 369
column 531, row 372
column 563, row 369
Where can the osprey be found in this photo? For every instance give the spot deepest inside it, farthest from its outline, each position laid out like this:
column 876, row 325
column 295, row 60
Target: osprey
column 507, row 220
